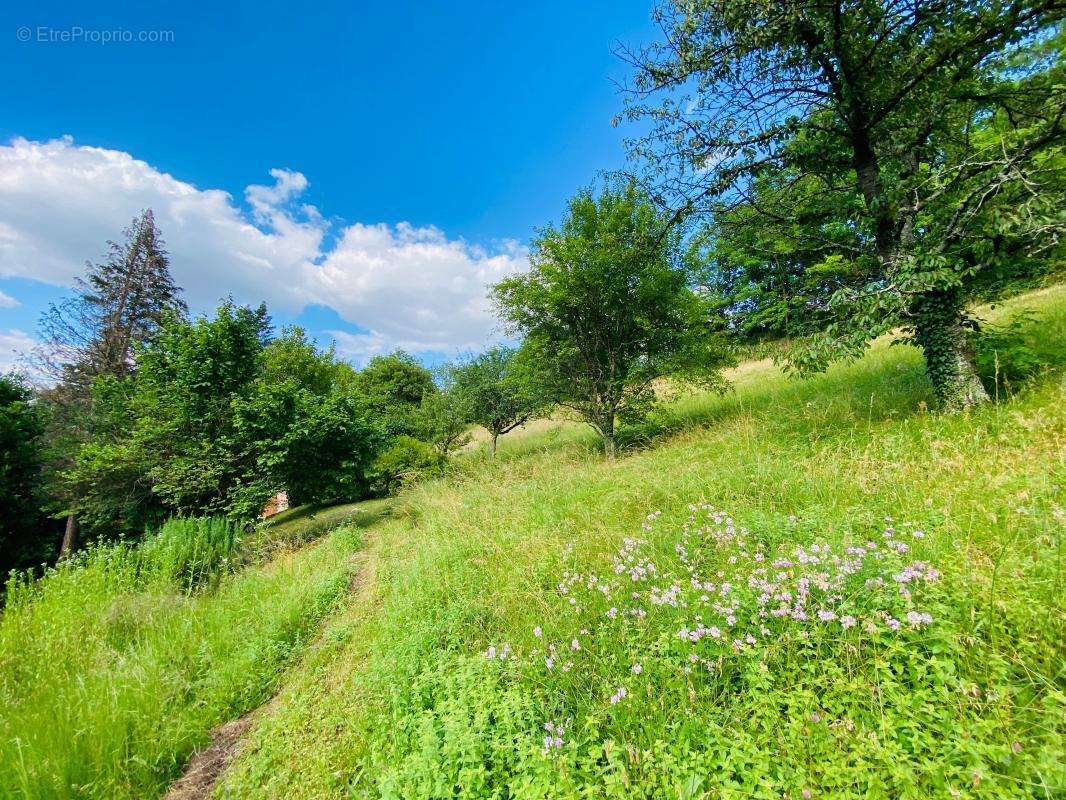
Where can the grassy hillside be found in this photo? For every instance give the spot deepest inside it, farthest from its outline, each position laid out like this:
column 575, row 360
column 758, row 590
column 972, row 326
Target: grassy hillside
column 109, row 678
column 530, row 631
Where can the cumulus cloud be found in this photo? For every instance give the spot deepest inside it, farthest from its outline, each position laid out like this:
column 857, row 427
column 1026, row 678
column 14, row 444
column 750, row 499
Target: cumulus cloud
column 13, row 344
column 406, row 286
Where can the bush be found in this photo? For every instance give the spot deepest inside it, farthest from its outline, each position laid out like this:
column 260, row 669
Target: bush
column 407, row 460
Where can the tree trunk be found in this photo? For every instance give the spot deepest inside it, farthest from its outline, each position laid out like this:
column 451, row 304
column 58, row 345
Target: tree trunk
column 70, row 537
column 609, row 446
column 492, row 445
column 949, row 362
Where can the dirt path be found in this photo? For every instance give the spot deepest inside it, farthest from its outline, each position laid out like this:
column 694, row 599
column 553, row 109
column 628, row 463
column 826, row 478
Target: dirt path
column 207, row 765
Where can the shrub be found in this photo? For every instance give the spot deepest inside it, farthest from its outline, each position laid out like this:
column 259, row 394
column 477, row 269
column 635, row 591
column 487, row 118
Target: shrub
column 407, row 460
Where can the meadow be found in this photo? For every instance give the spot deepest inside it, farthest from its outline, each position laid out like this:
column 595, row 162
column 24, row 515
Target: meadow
column 801, row 588
column 814, row 588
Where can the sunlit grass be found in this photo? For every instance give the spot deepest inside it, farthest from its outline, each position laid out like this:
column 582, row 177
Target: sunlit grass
column 404, row 703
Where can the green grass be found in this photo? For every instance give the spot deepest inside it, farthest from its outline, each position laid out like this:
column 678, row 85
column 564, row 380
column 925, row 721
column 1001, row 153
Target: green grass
column 117, row 664
column 401, row 701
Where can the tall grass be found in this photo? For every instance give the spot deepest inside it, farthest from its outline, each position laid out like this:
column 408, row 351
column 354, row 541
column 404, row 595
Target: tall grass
column 438, row 685
column 118, row 662
column 189, row 552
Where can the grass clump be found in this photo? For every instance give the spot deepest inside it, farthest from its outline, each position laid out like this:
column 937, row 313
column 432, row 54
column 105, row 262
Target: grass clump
column 925, row 659
column 189, row 552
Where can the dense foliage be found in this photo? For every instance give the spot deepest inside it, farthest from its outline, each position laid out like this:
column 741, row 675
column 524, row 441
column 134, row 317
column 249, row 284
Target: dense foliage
column 223, row 417
column 21, row 428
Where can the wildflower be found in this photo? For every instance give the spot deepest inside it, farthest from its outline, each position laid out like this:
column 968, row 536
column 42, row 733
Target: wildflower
column 919, row 618
column 806, row 794
column 847, row 621
column 538, row 632
column 825, row 615
column 575, row 645
column 554, row 739
column 636, row 669
column 618, row 695
column 491, row 652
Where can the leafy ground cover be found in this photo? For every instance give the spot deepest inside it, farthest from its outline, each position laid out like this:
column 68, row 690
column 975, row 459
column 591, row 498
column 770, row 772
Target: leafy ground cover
column 814, row 589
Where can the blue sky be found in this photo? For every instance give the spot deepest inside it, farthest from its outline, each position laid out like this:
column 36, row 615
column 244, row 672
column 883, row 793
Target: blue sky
column 414, row 145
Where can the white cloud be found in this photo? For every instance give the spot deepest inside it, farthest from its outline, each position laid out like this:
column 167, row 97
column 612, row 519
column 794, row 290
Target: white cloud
column 13, row 343
column 410, row 287
column 7, row 301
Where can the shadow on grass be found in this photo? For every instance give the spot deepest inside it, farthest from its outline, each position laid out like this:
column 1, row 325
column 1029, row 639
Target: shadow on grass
column 888, row 383
column 299, row 526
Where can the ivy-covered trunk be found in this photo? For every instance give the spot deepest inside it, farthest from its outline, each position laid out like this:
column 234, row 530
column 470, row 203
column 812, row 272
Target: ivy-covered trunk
column 940, row 332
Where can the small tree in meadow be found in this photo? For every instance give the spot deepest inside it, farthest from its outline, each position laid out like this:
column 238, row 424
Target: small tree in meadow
column 500, row 391
column 443, row 418
column 608, row 308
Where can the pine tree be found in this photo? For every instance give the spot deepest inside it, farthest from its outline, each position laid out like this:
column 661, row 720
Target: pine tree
column 121, row 301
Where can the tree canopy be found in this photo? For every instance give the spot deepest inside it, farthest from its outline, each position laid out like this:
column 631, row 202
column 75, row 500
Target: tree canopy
column 882, row 157
column 21, row 429
column 500, row 389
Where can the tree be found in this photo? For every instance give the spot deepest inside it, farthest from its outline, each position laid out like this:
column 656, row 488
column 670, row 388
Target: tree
column 443, row 418
column 396, row 384
column 500, row 393
column 920, row 143
column 217, row 419
column 190, row 379
column 607, row 309
column 21, row 428
column 305, row 428
column 120, row 304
